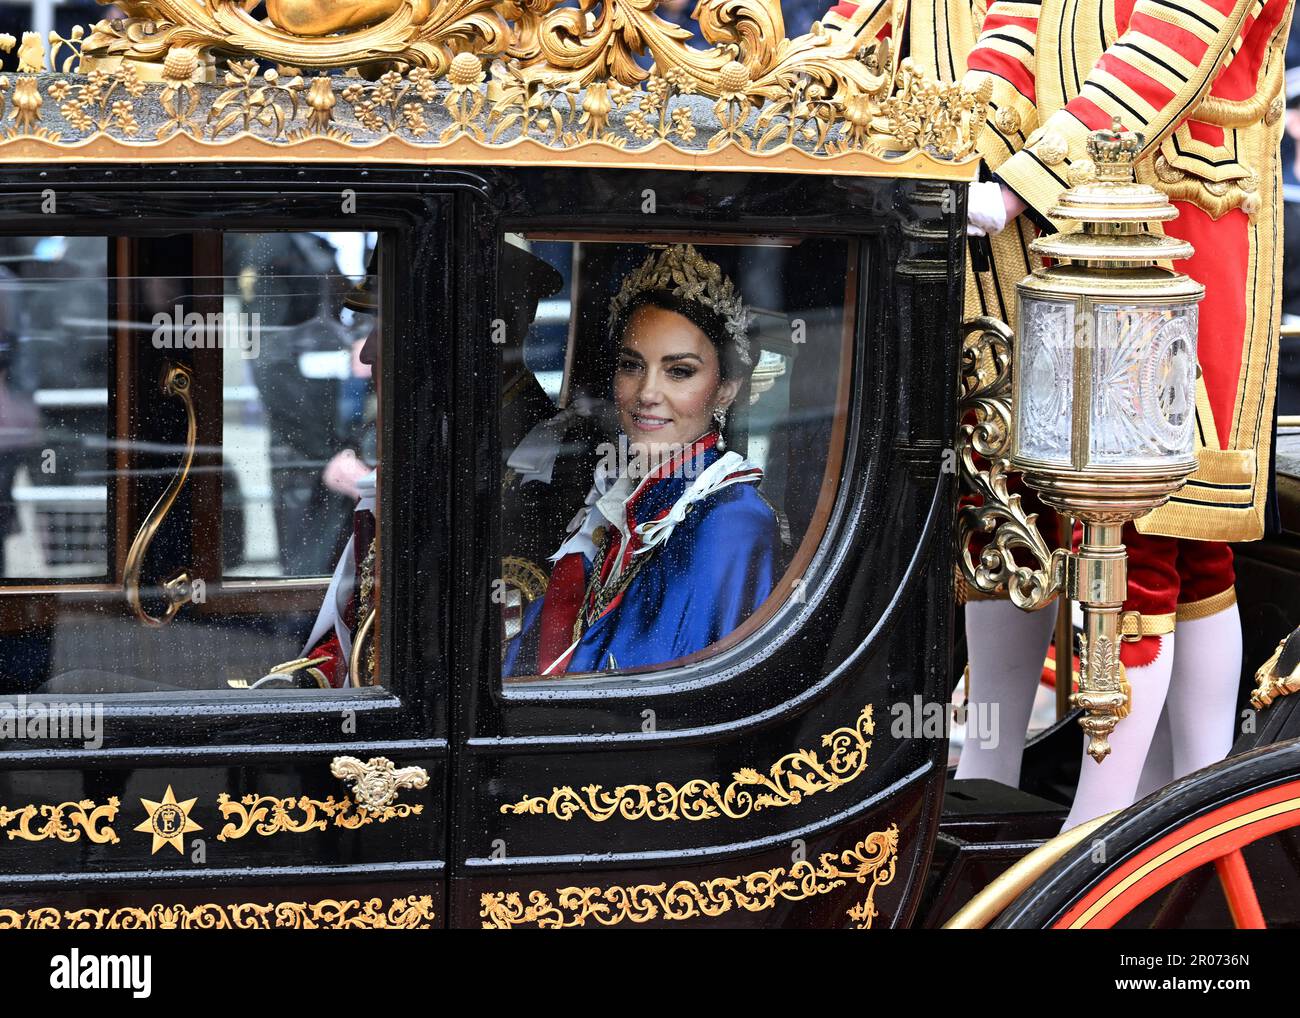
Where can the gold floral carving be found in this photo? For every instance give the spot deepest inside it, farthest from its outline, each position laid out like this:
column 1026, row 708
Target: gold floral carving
column 413, row 912
column 496, row 74
column 155, row 26
column 66, row 821
column 268, row 815
column 787, row 782
column 928, row 114
column 872, row 860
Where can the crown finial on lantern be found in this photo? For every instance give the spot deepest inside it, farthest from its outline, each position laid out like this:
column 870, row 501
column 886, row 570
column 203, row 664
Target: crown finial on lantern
column 1114, row 151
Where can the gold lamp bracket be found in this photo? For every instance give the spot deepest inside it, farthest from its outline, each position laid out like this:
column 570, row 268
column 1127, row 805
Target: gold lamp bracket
column 983, row 447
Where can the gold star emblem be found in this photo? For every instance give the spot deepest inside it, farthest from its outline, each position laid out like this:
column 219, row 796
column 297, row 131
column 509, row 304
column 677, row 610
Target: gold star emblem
column 169, row 821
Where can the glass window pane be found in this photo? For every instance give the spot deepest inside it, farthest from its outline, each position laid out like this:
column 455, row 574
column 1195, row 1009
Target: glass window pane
column 54, row 358
column 188, row 435
column 669, row 415
column 299, row 415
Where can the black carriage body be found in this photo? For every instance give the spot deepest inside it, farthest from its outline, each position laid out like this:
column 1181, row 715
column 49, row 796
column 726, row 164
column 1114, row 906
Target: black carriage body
column 872, row 627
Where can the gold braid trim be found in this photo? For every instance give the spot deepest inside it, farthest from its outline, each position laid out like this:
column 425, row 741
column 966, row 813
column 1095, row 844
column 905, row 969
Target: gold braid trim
column 1204, row 608
column 1239, row 113
column 1134, row 625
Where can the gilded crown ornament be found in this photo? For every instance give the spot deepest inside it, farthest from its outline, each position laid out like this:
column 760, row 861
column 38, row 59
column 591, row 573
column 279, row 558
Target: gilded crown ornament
column 1114, row 152
column 687, row 275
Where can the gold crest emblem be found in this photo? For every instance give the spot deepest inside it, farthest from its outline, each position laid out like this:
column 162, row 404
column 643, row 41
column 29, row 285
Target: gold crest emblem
column 169, row 821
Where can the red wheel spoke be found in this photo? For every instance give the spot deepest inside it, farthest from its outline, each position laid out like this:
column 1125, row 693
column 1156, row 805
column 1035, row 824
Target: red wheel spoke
column 1239, row 889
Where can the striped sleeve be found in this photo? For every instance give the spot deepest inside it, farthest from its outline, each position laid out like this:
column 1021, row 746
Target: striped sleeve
column 1003, row 59
column 868, row 20
column 1153, row 75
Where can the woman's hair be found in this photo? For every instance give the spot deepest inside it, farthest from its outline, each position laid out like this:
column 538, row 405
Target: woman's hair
column 707, row 321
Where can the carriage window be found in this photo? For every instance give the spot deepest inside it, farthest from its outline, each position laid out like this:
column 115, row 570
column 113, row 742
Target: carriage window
column 671, row 419
column 188, row 462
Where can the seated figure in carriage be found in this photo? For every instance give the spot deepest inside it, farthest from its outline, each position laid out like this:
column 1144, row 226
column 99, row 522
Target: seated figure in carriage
column 674, row 547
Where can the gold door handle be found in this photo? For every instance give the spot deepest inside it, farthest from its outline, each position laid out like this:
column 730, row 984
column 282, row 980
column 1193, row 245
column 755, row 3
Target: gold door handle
column 355, row 658
column 176, row 382
column 376, row 782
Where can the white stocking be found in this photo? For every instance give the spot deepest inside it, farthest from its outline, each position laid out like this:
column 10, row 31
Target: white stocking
column 1158, row 768
column 1203, row 692
column 1007, row 646
column 1113, row 783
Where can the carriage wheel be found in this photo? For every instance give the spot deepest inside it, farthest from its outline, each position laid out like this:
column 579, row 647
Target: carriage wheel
column 1167, row 844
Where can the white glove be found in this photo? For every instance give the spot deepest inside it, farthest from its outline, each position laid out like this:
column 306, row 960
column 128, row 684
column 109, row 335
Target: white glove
column 986, row 213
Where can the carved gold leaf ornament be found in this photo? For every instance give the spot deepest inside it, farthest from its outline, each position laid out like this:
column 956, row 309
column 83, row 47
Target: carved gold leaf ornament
column 927, row 114
column 412, row 912
column 788, row 781
column 268, row 815
column 64, row 821
column 495, row 74
column 377, row 782
column 1280, row 674
column 872, row 860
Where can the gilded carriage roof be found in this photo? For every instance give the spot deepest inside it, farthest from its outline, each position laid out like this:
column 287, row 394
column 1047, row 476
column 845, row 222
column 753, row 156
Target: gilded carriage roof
column 599, row 83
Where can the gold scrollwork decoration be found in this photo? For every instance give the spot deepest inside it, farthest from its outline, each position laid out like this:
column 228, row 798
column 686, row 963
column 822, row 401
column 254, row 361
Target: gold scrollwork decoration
column 416, row 32
column 268, row 815
column 494, row 73
column 871, row 860
column 1280, row 675
column 983, row 445
column 864, row 913
column 66, row 821
column 411, row 913
column 788, row 781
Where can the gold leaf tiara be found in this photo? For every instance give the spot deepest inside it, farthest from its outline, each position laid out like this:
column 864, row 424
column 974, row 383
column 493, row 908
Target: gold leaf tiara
column 685, row 273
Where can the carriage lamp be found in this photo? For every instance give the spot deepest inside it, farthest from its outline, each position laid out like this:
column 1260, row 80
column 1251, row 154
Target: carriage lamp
column 1104, row 394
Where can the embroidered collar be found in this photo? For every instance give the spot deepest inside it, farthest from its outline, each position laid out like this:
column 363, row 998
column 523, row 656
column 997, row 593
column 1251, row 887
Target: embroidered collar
column 645, row 511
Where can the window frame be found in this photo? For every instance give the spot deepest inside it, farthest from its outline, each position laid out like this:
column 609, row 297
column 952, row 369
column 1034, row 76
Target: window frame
column 419, row 217
column 805, row 554
column 690, row 689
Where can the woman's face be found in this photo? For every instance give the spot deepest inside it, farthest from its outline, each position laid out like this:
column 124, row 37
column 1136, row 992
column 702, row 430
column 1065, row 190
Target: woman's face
column 668, row 381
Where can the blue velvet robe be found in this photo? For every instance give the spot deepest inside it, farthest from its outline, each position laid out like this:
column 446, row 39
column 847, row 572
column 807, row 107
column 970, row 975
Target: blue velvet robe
column 716, row 567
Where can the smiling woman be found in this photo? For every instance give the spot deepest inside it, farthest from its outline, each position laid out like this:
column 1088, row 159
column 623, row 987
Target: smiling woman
column 677, row 542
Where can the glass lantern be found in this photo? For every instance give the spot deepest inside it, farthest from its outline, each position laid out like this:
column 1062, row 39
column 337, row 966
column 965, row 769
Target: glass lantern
column 1104, row 391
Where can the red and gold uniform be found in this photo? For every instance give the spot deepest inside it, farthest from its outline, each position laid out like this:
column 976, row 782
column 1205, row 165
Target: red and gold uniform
column 1201, row 80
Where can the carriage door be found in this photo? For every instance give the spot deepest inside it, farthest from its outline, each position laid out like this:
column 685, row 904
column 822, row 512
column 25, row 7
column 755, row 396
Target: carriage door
column 696, row 725
column 213, row 711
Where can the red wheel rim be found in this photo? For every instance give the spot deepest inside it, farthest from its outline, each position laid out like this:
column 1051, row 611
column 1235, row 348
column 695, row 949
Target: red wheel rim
column 1207, row 839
